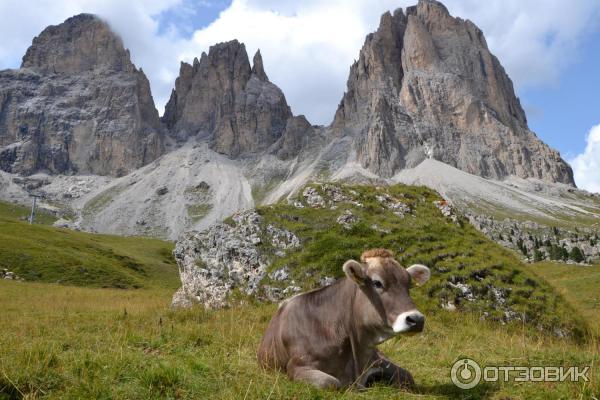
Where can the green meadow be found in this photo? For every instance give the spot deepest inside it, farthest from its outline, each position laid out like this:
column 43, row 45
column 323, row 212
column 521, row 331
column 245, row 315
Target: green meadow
column 93, row 318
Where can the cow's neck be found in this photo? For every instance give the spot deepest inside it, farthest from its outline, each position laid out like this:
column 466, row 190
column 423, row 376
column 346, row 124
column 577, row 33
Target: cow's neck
column 369, row 321
column 361, row 319
column 363, row 332
column 346, row 305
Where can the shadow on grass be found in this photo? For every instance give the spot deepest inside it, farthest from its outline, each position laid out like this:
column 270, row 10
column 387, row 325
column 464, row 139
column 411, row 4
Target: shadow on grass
column 482, row 391
column 8, row 391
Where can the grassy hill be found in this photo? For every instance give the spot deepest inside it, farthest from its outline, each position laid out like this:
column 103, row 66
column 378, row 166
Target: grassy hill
column 40, row 252
column 469, row 272
column 15, row 212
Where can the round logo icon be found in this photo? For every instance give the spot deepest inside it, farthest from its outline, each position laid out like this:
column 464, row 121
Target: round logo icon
column 465, row 373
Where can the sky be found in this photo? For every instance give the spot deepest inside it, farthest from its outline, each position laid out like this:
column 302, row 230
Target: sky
column 550, row 49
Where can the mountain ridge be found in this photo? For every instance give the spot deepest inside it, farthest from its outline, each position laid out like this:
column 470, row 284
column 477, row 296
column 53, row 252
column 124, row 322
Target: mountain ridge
column 424, row 88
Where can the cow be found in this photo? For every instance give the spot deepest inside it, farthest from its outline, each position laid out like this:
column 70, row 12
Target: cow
column 328, row 337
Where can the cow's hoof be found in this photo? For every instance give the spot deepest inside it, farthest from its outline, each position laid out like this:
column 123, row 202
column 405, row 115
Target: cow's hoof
column 405, row 380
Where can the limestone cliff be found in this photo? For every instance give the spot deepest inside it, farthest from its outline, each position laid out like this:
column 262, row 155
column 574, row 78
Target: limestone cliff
column 426, row 86
column 77, row 105
column 220, row 97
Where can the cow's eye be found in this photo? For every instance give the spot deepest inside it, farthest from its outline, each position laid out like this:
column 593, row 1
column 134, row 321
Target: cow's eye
column 377, row 284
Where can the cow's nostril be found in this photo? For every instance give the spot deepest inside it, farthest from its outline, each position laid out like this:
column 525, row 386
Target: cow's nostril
column 414, row 319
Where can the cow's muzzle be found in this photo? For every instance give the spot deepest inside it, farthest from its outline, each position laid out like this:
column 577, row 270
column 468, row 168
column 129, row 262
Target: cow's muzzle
column 409, row 321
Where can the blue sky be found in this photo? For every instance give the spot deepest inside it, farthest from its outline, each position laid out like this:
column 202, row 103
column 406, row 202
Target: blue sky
column 191, row 16
column 566, row 110
column 550, row 50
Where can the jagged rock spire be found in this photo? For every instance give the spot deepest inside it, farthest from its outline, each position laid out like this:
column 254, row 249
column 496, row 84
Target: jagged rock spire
column 257, row 67
column 222, row 98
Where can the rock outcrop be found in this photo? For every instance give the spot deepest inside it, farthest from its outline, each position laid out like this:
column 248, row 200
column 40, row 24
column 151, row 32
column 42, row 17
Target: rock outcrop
column 77, row 105
column 298, row 131
column 426, row 86
column 537, row 242
column 226, row 257
column 9, row 275
column 214, row 262
column 220, row 97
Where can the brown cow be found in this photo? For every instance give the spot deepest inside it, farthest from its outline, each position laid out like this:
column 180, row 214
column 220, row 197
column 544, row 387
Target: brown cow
column 328, row 337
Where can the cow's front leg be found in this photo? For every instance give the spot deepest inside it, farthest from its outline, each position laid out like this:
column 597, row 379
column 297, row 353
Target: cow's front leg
column 385, row 371
column 315, row 377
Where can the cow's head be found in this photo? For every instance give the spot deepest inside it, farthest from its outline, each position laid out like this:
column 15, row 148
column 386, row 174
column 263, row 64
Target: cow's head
column 387, row 306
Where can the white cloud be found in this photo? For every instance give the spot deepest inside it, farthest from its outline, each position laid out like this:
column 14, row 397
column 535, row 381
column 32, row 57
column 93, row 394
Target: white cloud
column 586, row 166
column 308, row 46
column 306, row 52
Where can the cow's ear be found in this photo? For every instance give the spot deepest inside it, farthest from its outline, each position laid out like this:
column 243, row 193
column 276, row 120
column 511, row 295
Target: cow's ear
column 419, row 273
column 354, row 270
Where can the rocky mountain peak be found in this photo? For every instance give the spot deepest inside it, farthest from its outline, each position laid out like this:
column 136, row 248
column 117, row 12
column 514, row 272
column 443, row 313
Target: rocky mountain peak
column 77, row 105
column 377, row 71
column 200, row 87
column 257, row 67
column 230, row 61
column 425, row 85
column 223, row 99
column 81, row 43
column 426, row 103
column 429, row 7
